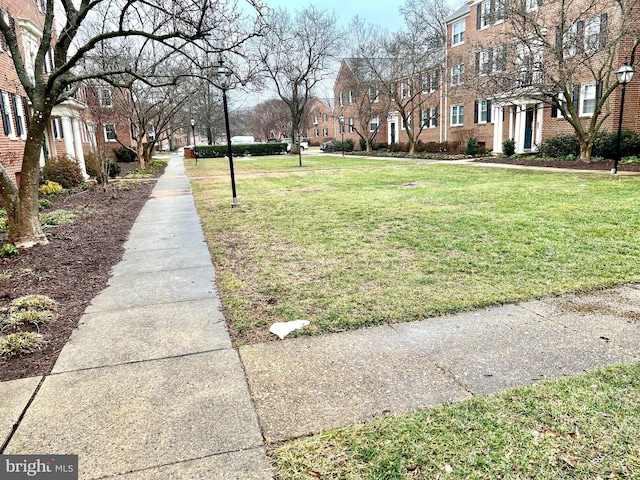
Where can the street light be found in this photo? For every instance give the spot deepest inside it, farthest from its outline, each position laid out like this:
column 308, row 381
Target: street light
column 223, row 75
column 624, row 75
column 342, row 132
column 193, row 135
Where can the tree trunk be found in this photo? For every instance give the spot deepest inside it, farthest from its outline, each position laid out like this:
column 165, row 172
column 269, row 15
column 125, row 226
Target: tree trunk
column 22, row 209
column 140, row 152
column 586, row 147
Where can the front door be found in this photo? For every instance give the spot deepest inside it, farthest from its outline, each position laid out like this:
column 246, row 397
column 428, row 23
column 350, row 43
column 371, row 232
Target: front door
column 528, row 128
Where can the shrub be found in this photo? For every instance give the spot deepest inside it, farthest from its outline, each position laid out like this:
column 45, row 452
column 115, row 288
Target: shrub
column 432, row 147
column 8, row 250
column 363, row 144
column 57, row 217
column 34, row 317
column 33, row 302
column 399, row 147
column 560, row 146
column 50, row 188
column 62, row 170
column 112, row 169
column 473, row 147
column 125, row 155
column 43, row 203
column 606, row 144
column 509, row 147
column 347, row 146
column 240, row 149
column 21, row 342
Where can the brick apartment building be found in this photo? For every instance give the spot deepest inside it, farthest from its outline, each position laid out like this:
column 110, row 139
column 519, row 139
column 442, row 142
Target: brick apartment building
column 319, row 123
column 489, row 85
column 73, row 129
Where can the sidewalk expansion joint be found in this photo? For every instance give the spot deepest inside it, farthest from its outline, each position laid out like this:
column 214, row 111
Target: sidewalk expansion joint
column 22, row 414
column 449, row 374
column 106, row 310
column 251, row 399
column 135, row 362
column 178, row 462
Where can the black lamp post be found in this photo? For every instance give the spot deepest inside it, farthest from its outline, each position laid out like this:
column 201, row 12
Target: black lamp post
column 342, row 132
column 193, row 136
column 624, row 75
column 223, row 75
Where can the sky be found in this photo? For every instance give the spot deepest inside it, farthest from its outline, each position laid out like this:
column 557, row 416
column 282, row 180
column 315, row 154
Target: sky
column 383, row 13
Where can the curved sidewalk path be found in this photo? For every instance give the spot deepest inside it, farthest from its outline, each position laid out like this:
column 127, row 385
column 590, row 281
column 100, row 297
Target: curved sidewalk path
column 148, row 386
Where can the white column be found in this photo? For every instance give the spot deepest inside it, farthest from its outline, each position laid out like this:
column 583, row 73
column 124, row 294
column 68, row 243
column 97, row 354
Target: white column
column 77, row 143
column 539, row 117
column 511, row 122
column 519, row 133
column 498, row 128
column 67, row 133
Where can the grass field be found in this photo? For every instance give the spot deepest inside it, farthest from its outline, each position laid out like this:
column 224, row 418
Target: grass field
column 585, row 427
column 350, row 243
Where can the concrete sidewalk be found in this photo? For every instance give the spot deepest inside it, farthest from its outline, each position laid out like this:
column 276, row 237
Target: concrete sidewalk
column 305, row 385
column 148, row 386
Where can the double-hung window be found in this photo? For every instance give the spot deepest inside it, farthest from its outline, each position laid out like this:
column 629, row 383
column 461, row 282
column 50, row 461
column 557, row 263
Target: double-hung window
column 458, row 33
column 457, row 115
column 374, row 124
column 457, row 73
column 587, row 99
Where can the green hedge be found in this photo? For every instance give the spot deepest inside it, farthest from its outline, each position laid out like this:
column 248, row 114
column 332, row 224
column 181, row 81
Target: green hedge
column 241, row 149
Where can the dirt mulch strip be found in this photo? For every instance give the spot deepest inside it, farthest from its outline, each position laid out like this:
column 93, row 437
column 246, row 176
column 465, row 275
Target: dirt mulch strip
column 605, row 165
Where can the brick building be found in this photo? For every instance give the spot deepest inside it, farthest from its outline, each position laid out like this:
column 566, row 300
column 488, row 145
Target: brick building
column 495, row 83
column 320, row 123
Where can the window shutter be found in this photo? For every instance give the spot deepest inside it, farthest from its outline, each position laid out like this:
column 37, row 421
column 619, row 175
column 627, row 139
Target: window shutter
column 554, row 107
column 603, row 30
column 434, row 120
column 25, row 108
column 558, row 37
column 492, row 10
column 435, row 80
column 478, row 16
column 54, row 124
column 14, row 103
column 475, row 111
column 477, row 63
column 488, row 111
column 5, row 115
column 576, row 97
column 599, row 88
column 579, row 41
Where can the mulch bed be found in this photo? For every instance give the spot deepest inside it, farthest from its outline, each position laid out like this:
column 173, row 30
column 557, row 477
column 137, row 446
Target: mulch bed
column 605, row 165
column 72, row 269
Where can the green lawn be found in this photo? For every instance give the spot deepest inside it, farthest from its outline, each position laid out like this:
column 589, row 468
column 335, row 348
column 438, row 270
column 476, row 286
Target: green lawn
column 585, row 427
column 347, row 243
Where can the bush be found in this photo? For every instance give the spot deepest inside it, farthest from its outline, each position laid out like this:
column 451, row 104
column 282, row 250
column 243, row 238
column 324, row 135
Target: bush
column 125, row 155
column 21, row 342
column 509, row 147
column 363, row 144
column 62, row 170
column 8, row 250
column 560, row 146
column 57, row 217
column 606, row 144
column 43, row 203
column 399, row 147
column 432, row 147
column 50, row 188
column 347, row 146
column 240, row 149
column 473, row 147
column 112, row 169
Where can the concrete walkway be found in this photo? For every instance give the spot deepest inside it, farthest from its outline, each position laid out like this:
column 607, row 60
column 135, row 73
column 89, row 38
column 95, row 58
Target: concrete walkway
column 148, row 386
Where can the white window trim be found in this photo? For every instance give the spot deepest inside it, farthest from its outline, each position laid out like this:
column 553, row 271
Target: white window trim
column 457, row 107
column 350, row 97
column 583, row 98
column 102, row 104
column 485, row 16
column 351, row 125
column 461, row 34
column 486, row 111
column 341, row 99
column 7, row 105
column 456, row 78
column 104, row 129
column 372, row 121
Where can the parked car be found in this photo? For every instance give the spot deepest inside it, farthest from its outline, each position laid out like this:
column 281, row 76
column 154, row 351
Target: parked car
column 303, row 145
column 326, row 146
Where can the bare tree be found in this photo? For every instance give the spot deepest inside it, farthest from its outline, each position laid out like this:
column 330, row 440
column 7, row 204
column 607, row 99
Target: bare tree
column 271, row 119
column 296, row 53
column 550, row 49
column 88, row 25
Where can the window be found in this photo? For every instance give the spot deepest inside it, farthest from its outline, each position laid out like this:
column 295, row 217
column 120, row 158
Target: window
column 456, row 74
column 483, row 62
column 556, row 104
column 595, row 34
column 374, row 95
column 457, row 33
column 350, row 97
column 429, row 118
column 500, row 8
column 457, row 115
column 325, row 132
column 110, row 132
column 315, row 119
column 430, row 82
column 374, row 124
column 5, row 111
column 499, row 58
column 317, row 132
column 588, row 99
column 56, row 128
column 341, row 99
column 18, row 115
column 325, row 117
column 106, row 99
column 532, row 4
column 405, row 89
column 482, row 111
column 484, row 19
column 409, row 121
column 352, row 127
column 529, row 64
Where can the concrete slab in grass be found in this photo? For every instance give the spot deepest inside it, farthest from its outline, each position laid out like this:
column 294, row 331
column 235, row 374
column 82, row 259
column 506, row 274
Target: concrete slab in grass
column 157, row 260
column 244, row 465
column 129, row 291
column 141, row 415
column 146, row 333
column 14, row 396
column 494, row 349
column 306, row 385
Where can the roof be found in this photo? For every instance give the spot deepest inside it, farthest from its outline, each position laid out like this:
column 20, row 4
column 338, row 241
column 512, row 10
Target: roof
column 462, row 11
